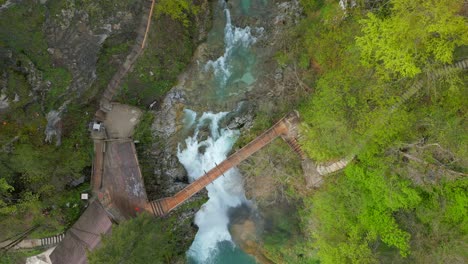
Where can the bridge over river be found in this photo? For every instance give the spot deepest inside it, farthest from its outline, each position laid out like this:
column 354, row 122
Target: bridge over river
column 117, row 183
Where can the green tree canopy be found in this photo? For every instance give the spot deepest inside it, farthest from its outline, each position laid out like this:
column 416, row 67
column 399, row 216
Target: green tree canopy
column 140, row 240
column 176, row 9
column 415, row 33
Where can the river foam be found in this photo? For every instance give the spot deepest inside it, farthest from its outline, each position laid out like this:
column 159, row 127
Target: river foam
column 202, row 153
column 224, row 193
column 234, row 37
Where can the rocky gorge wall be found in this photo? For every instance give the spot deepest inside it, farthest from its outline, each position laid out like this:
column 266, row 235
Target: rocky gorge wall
column 274, row 91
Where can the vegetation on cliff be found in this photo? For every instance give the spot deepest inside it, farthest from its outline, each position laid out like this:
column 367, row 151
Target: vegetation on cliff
column 173, row 37
column 36, row 80
column 34, row 174
column 149, row 240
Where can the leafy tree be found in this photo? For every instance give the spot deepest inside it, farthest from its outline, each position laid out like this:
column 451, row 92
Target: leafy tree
column 373, row 212
column 5, row 190
column 177, row 9
column 140, row 240
column 415, row 33
column 357, row 211
column 29, row 161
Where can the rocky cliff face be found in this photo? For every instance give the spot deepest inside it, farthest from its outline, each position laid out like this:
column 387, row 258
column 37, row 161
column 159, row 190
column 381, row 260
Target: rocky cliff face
column 54, row 46
column 75, row 34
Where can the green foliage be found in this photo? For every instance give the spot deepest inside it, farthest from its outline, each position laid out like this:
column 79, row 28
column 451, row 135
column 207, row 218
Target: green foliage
column 113, row 52
column 342, row 92
column 311, row 6
column 143, row 134
column 60, row 79
column 156, row 70
column 281, row 59
column 447, row 113
column 178, row 10
column 415, row 32
column 5, row 188
column 21, row 30
column 143, row 131
column 39, row 171
column 357, row 211
column 447, row 204
column 132, row 241
column 5, row 193
column 373, row 212
column 18, row 257
column 29, row 162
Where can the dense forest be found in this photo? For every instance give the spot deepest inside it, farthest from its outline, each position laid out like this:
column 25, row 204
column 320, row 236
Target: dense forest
column 404, row 198
column 380, row 86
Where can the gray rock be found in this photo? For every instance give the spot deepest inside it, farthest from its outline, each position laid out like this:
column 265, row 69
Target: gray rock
column 288, row 13
column 241, row 118
column 164, row 128
column 165, row 119
column 75, row 41
column 278, row 74
column 53, row 128
column 4, row 104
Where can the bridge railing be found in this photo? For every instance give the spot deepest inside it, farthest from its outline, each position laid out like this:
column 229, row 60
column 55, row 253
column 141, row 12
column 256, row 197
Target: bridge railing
column 165, row 205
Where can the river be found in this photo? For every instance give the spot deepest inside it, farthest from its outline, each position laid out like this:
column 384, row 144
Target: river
column 228, row 76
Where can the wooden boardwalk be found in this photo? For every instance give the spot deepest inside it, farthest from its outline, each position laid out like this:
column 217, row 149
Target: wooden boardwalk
column 84, row 236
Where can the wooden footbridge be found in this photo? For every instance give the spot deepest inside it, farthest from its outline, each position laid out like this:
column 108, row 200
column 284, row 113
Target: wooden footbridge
column 285, row 128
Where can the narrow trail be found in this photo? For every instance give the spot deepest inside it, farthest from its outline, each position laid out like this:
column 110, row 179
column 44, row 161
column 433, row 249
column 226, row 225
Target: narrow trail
column 21, row 242
column 38, row 242
column 113, row 87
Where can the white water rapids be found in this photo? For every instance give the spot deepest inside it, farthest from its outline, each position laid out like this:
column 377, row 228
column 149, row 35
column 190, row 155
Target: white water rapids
column 199, row 156
column 224, row 193
column 233, row 36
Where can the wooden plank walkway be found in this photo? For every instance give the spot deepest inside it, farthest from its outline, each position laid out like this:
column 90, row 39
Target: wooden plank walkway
column 83, row 236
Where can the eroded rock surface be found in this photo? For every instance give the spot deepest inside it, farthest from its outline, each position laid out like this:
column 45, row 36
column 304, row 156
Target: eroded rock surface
column 75, row 37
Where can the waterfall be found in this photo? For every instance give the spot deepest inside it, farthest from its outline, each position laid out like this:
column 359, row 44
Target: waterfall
column 224, row 193
column 233, row 37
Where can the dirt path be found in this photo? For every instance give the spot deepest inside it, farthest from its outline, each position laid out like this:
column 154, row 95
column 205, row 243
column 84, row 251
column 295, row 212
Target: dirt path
column 137, row 50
